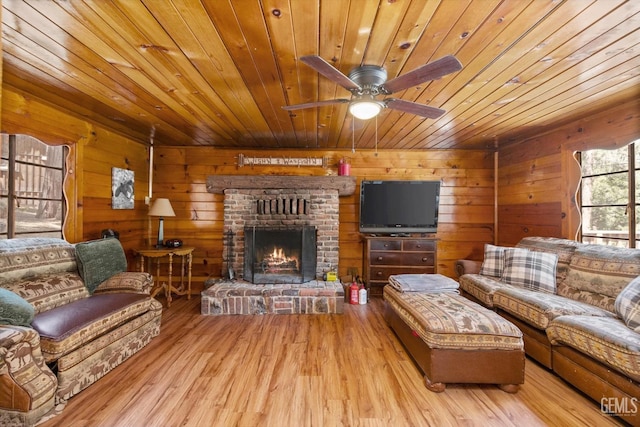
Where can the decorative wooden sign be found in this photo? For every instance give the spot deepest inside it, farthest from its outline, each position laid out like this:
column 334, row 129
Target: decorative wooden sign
column 282, row 161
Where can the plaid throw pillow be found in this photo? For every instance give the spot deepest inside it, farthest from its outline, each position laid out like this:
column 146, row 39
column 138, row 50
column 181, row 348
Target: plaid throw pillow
column 530, row 269
column 628, row 304
column 493, row 263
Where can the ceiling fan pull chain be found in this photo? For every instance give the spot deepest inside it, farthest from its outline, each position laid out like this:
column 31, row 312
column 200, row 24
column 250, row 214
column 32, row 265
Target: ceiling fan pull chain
column 353, row 135
column 376, row 152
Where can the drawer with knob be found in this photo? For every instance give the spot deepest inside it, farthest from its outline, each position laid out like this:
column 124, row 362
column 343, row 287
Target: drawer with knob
column 385, row 256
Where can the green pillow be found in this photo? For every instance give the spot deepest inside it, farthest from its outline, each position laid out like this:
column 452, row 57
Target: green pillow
column 14, row 310
column 99, row 260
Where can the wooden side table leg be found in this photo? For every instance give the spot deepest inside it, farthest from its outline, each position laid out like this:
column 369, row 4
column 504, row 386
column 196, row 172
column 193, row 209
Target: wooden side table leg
column 182, row 274
column 155, row 288
column 158, row 273
column 169, row 286
column 189, row 259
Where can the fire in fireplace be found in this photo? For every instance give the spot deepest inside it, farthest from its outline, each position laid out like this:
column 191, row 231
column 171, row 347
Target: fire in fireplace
column 280, row 255
column 278, row 262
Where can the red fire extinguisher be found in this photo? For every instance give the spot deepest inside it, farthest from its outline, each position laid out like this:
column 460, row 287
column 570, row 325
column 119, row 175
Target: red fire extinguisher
column 353, row 293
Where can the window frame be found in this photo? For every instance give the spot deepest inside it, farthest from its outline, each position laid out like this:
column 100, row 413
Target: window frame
column 11, row 197
column 632, row 203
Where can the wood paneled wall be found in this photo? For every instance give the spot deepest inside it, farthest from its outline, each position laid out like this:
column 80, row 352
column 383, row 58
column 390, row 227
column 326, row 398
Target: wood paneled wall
column 93, row 152
column 538, row 177
column 466, row 207
column 536, row 182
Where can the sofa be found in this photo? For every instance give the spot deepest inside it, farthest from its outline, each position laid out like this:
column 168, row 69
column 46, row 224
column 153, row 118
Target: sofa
column 578, row 306
column 69, row 313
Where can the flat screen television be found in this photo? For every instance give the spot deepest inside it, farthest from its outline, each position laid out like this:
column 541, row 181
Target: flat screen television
column 399, row 207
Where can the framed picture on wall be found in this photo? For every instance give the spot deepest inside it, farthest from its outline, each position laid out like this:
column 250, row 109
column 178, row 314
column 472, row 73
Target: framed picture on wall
column 121, row 188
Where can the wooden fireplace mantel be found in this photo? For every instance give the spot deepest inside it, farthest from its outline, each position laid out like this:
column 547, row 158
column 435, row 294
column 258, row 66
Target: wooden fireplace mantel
column 346, row 185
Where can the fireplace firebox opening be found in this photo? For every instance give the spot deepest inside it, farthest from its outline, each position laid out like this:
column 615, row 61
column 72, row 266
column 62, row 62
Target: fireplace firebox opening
column 280, row 254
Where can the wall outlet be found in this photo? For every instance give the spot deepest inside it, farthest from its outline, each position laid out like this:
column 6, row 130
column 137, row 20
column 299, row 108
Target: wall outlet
column 147, row 200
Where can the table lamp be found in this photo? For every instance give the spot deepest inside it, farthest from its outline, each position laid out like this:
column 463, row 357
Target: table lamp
column 161, row 208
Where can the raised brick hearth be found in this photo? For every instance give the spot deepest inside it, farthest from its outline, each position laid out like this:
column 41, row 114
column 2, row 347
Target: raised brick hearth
column 239, row 297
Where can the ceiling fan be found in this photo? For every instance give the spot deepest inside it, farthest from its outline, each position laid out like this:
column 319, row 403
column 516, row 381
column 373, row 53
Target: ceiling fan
column 366, row 82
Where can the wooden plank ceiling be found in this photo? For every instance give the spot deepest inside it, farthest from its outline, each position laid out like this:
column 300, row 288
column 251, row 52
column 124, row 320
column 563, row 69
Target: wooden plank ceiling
column 217, row 72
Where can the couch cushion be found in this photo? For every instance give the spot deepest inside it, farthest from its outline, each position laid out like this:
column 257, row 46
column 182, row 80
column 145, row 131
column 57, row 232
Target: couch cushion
column 606, row 339
column 540, row 308
column 562, row 247
column 480, row 287
column 136, row 329
column 65, row 328
column 14, row 310
column 49, row 291
column 451, row 321
column 493, row 262
column 530, row 269
column 628, row 304
column 98, row 260
column 31, row 257
column 598, row 273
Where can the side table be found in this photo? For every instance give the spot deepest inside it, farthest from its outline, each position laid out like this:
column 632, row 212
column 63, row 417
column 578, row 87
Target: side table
column 185, row 252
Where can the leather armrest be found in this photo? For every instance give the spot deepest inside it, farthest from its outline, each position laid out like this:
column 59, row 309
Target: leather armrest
column 467, row 266
column 128, row 281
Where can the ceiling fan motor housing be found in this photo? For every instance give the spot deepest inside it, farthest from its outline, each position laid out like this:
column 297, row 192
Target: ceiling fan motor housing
column 369, row 78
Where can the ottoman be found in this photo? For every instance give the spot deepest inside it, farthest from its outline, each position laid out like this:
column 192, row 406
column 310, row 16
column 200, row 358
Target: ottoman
column 455, row 340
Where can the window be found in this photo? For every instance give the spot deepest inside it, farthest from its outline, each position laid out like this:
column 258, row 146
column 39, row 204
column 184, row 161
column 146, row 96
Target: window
column 609, row 196
column 31, row 192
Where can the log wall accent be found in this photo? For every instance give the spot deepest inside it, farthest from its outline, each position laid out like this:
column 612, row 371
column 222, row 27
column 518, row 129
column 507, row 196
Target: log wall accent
column 538, row 177
column 466, row 206
column 346, row 185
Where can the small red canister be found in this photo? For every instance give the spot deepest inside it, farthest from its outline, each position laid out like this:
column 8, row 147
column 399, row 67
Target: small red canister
column 344, row 168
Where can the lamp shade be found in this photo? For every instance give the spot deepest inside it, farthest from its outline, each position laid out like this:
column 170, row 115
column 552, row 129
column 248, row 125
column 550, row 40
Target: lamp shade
column 365, row 109
column 161, row 207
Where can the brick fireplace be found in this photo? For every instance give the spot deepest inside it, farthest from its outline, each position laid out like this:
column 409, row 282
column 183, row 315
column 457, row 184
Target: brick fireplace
column 277, row 203
column 279, row 209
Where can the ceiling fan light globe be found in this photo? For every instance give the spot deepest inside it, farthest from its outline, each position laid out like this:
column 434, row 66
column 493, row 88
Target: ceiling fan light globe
column 365, row 110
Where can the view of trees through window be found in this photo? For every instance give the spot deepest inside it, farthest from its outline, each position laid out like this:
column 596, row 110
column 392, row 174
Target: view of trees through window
column 609, row 209
column 31, row 192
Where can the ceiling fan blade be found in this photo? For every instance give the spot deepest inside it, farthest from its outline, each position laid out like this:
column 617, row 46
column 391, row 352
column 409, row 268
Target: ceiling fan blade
column 431, row 71
column 414, row 108
column 329, row 71
column 314, row 104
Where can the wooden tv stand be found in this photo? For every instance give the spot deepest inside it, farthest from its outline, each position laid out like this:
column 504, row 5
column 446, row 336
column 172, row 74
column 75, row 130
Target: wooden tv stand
column 387, row 255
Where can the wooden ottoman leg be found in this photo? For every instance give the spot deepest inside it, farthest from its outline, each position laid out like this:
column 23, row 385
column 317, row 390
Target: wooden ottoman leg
column 434, row 387
column 509, row 388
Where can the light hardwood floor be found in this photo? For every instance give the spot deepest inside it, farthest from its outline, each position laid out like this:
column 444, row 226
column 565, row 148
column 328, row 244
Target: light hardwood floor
column 303, row 370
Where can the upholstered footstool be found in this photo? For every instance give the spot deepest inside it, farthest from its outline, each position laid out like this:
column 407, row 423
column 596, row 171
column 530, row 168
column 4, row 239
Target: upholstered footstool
column 455, row 340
